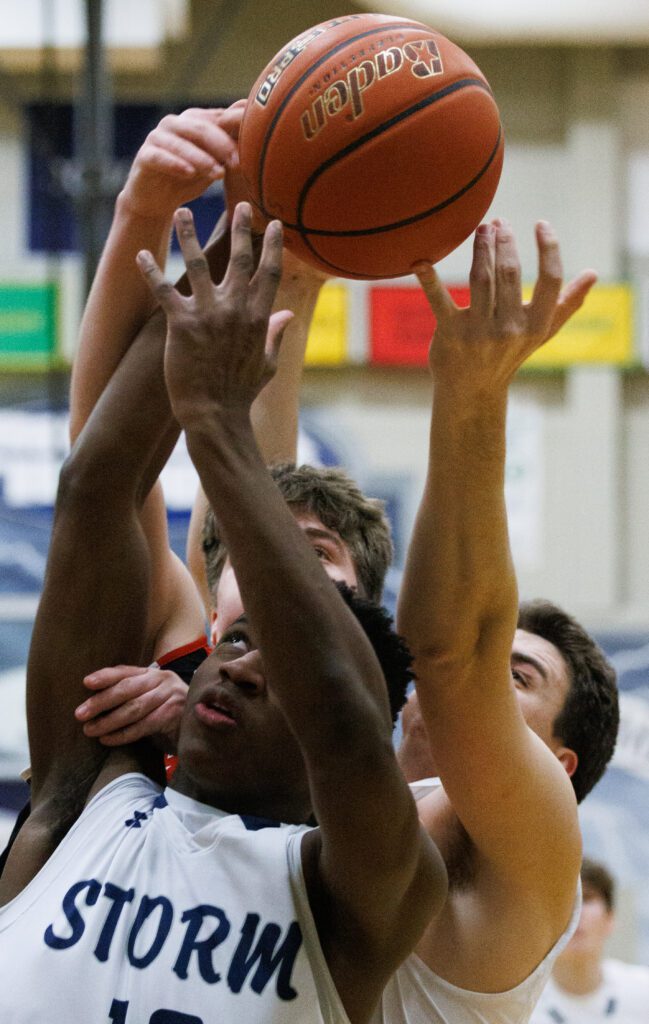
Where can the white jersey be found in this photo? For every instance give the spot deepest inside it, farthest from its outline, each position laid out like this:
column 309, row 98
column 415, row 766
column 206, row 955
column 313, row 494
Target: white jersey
column 416, row 995
column 156, row 909
column 622, row 998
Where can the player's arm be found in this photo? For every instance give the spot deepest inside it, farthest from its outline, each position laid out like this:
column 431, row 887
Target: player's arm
column 147, row 703
column 458, row 604
column 275, row 410
column 178, row 160
column 176, row 163
column 93, row 607
column 319, row 663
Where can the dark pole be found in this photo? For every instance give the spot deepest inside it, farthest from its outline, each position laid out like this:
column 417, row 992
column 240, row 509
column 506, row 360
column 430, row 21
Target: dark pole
column 94, row 145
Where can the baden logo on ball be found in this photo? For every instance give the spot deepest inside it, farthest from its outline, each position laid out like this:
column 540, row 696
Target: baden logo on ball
column 377, row 142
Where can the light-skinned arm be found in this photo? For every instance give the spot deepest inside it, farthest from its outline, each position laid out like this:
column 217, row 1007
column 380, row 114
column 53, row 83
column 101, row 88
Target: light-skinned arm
column 459, row 601
column 178, row 160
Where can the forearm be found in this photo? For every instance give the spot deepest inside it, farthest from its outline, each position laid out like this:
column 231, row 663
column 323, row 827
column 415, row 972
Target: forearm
column 131, row 430
column 459, row 578
column 118, row 305
column 275, row 410
column 99, row 565
column 337, row 672
column 92, row 612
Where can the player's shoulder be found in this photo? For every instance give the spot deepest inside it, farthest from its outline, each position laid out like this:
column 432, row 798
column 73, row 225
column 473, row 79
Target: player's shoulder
column 627, row 974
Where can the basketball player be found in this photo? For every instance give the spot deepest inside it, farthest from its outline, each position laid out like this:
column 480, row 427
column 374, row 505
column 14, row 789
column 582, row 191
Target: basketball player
column 586, row 987
column 502, row 904
column 513, row 715
column 178, row 160
column 501, row 895
column 133, row 904
column 505, row 746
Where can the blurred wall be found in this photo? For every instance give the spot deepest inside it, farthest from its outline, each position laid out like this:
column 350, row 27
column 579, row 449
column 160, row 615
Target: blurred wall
column 575, row 122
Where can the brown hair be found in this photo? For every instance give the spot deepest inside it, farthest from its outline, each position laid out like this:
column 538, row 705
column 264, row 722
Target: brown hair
column 332, row 496
column 599, row 878
column 589, row 720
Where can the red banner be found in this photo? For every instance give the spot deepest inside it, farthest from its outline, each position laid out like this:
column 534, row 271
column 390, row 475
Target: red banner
column 401, row 324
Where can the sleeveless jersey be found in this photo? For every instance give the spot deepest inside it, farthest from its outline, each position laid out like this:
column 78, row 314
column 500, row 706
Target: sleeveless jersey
column 622, row 998
column 416, row 995
column 183, row 661
column 157, row 909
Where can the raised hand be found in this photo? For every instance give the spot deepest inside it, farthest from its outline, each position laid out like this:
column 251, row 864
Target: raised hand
column 222, row 342
column 181, row 157
column 128, row 703
column 485, row 344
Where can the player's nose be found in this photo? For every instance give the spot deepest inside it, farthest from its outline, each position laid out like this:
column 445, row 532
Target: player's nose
column 246, row 673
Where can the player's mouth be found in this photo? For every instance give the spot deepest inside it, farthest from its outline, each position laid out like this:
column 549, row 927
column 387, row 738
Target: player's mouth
column 216, row 711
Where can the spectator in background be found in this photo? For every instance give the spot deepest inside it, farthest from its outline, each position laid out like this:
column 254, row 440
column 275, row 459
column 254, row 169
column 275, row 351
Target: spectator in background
column 585, row 987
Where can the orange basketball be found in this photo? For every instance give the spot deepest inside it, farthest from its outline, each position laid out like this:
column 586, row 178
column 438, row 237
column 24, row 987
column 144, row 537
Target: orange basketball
column 376, row 141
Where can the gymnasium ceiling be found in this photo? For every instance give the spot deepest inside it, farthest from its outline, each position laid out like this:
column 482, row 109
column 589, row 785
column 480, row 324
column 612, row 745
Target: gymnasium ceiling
column 529, row 21
column 208, row 50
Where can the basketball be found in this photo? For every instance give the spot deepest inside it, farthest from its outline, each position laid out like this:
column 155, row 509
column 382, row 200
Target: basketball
column 376, row 141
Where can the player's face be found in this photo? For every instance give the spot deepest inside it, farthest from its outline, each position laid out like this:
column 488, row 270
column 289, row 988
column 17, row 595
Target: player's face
column 333, row 553
column 235, row 747
column 595, row 925
column 541, row 679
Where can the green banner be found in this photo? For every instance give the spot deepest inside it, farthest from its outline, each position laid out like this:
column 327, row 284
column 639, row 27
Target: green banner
column 28, row 326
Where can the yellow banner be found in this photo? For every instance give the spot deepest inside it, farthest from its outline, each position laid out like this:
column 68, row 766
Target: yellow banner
column 327, row 344
column 600, row 332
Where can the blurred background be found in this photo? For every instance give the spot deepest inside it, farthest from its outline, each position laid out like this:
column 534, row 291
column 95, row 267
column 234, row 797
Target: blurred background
column 82, row 82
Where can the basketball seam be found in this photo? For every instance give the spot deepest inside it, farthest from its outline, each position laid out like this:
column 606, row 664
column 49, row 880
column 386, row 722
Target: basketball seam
column 302, row 79
column 420, row 105
column 304, row 232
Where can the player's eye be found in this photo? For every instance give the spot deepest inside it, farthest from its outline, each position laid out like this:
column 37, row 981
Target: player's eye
column 235, row 638
column 322, row 553
column 518, row 677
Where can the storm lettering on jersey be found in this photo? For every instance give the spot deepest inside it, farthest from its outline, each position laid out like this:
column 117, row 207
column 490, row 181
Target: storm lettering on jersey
column 262, row 951
column 267, row 957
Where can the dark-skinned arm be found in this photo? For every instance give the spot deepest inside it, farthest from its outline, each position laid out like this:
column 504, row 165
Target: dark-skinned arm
column 319, row 664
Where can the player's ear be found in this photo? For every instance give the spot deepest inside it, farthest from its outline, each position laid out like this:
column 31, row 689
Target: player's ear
column 568, row 759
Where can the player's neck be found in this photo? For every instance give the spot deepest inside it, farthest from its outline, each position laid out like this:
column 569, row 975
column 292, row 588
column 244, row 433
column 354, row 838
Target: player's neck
column 580, row 976
column 414, row 759
column 289, row 811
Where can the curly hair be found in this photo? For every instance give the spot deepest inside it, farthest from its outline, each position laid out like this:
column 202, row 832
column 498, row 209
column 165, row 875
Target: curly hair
column 332, row 496
column 590, row 717
column 391, row 649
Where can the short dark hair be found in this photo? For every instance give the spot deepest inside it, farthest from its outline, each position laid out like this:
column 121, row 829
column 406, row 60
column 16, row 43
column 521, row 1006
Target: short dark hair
column 391, row 649
column 590, row 717
column 600, row 879
column 331, row 495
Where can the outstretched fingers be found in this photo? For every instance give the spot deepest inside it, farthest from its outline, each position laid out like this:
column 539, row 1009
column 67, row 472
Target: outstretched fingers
column 439, row 299
column 162, row 289
column 508, row 276
column 571, row 299
column 277, row 324
column 542, row 307
column 268, row 275
column 242, row 263
column 482, row 275
column 198, row 271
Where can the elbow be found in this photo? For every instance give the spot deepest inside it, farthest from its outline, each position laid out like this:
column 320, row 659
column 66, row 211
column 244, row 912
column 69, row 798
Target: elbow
column 86, row 483
column 77, row 479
